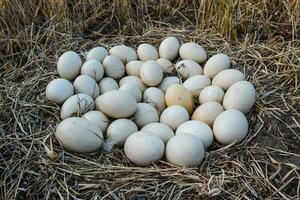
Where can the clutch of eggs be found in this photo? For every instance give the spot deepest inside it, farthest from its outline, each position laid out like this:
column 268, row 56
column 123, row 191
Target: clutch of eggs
column 170, row 102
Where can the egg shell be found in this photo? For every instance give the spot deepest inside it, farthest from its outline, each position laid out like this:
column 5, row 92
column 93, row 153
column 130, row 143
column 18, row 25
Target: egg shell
column 166, row 65
column 174, row 116
column 68, row 65
column 161, row 130
column 227, row 78
column 188, row 68
column 196, row 84
column 59, row 90
column 108, row 84
column 211, row 93
column 133, row 80
column 125, row 53
column 116, row 104
column 167, row 81
column 169, row 48
column 98, row 118
column 184, row 150
column 230, row 126
column 86, row 85
column 113, row 67
column 145, row 114
column 216, row 64
column 97, row 53
column 240, row 96
column 77, row 104
column 155, row 97
column 133, row 68
column 207, row 112
column 93, row 68
column 151, row 73
column 147, row 52
column 192, row 51
column 143, row 148
column 133, row 90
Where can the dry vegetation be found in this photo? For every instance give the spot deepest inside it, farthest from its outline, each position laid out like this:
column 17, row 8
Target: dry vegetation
column 261, row 37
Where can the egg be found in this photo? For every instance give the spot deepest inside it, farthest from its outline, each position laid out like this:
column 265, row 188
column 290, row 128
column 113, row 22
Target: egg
column 169, row 48
column 108, row 84
column 207, row 112
column 133, row 68
column 133, row 90
column 79, row 135
column 192, row 51
column 113, row 67
column 97, row 53
column 86, row 85
column 133, row 80
column 167, row 81
column 93, row 68
column 143, row 148
column 98, row 118
column 216, row 64
column 151, row 73
column 155, row 97
column 196, row 84
column 211, row 93
column 159, row 129
column 147, row 52
column 227, row 78
column 179, row 95
column 174, row 116
column 68, row 65
column 230, row 126
column 184, row 150
column 116, row 104
column 76, row 105
column 125, row 53
column 145, row 114
column 59, row 90
column 188, row 68
column 119, row 130
column 240, row 96
column 199, row 129
column 166, row 65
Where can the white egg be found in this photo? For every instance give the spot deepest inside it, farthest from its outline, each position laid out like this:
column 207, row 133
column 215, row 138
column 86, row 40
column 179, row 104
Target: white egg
column 155, row 97
column 108, row 84
column 169, row 48
column 145, row 114
column 230, row 126
column 76, row 105
column 199, row 129
column 86, row 85
column 159, row 129
column 143, row 148
column 133, row 90
column 116, row 104
column 184, row 150
column 211, row 93
column 113, row 67
column 68, row 65
column 174, row 116
column 125, row 53
column 227, row 78
column 166, row 65
column 192, row 51
column 79, row 135
column 188, row 68
column 133, row 80
column 98, row 118
column 207, row 112
column 93, row 68
column 196, row 84
column 240, row 96
column 151, row 73
column 97, row 53
column 168, row 81
column 147, row 52
column 59, row 90
column 119, row 130
column 133, row 68
column 216, row 64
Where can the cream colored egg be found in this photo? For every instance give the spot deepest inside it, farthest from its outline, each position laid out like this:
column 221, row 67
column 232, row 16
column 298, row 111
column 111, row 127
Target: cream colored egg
column 199, row 129
column 166, row 65
column 133, row 80
column 143, row 148
column 98, row 118
column 68, row 65
column 125, row 53
column 133, row 90
column 192, row 51
column 207, row 112
column 211, row 93
column 151, row 73
column 133, row 68
column 155, row 97
column 145, row 114
column 79, row 135
column 230, row 126
column 108, row 84
column 174, row 116
column 116, row 104
column 196, row 84
column 167, row 81
column 216, row 64
column 76, row 105
column 97, row 53
column 93, row 68
column 59, row 90
column 86, row 85
column 147, row 52
column 113, row 67
column 227, row 78
column 240, row 96
column 184, row 150
column 188, row 68
column 161, row 130
column 169, row 48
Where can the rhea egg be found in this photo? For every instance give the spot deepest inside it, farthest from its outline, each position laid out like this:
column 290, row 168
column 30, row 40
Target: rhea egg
column 161, row 130
column 59, row 90
column 192, row 51
column 147, row 52
column 174, row 116
column 108, row 84
column 196, row 84
column 167, row 81
column 166, row 65
column 145, row 114
column 155, row 97
column 113, row 67
column 188, row 68
column 68, row 65
column 151, row 73
column 97, row 53
column 87, row 85
column 93, row 68
column 133, row 68
column 98, row 118
column 125, row 53
column 133, row 90
column 169, row 48
column 227, row 78
column 133, row 80
column 211, row 93
column 216, row 64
